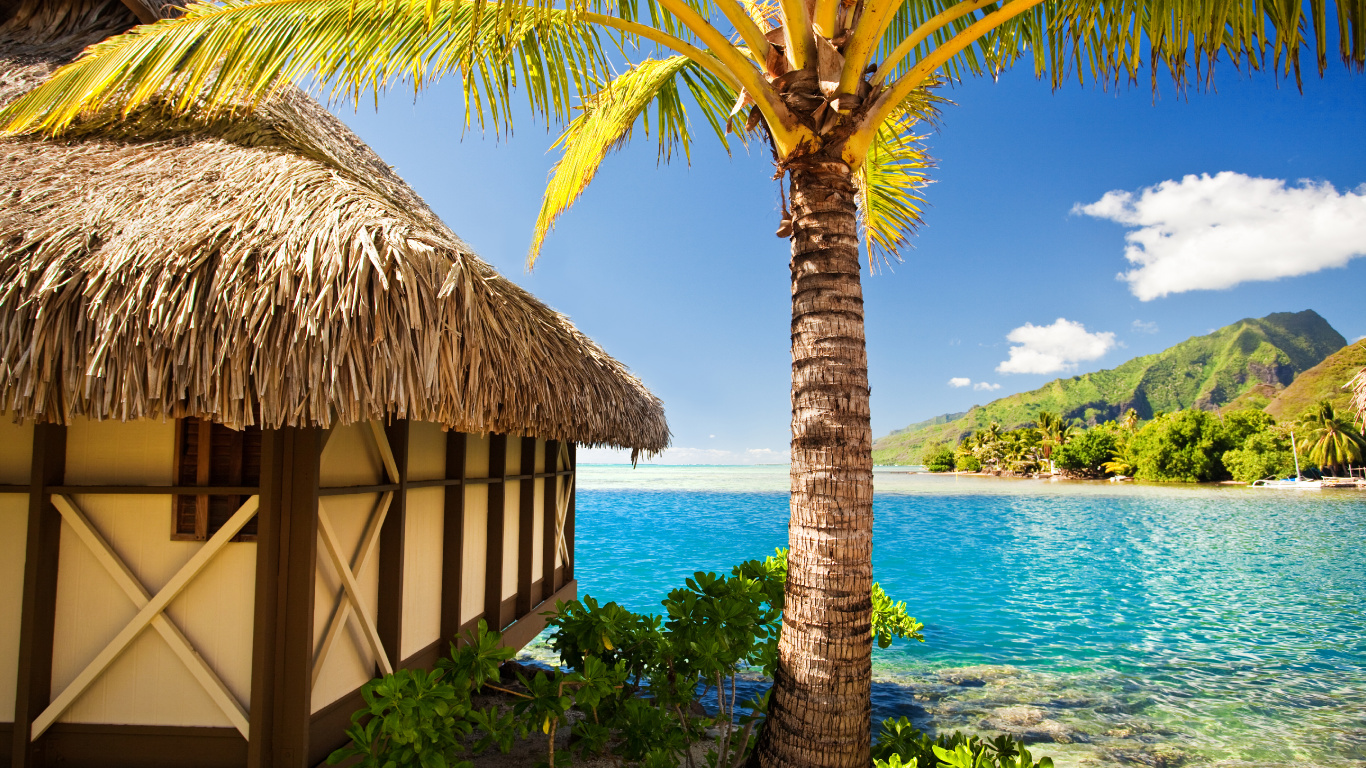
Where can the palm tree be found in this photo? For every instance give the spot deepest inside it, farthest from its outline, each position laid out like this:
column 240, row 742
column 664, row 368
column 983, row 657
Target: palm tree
column 836, row 88
column 1329, row 439
column 1130, row 420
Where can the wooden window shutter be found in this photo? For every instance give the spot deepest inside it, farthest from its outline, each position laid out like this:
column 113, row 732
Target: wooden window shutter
column 209, row 454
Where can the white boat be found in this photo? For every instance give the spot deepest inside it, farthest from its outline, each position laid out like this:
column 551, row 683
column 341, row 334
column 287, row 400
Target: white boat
column 1293, row 483
column 1296, row 483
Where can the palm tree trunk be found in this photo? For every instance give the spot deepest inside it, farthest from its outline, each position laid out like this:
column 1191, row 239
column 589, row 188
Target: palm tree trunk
column 821, row 706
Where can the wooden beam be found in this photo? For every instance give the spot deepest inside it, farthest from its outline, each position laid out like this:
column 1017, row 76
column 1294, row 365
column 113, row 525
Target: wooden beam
column 33, row 687
column 493, row 557
column 569, row 513
column 333, row 549
column 158, row 490
column 393, row 442
column 140, row 621
column 205, row 675
column 526, row 527
column 453, row 537
column 548, row 499
column 369, row 541
column 265, row 627
column 287, row 565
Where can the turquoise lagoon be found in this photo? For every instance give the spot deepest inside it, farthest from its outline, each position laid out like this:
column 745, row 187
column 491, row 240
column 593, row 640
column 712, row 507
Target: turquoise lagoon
column 1119, row 625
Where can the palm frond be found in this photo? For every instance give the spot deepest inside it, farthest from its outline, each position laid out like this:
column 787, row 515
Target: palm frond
column 228, row 56
column 890, row 179
column 609, row 116
column 1110, row 41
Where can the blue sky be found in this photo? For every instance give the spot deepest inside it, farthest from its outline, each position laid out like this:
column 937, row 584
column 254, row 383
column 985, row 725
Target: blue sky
column 675, row 269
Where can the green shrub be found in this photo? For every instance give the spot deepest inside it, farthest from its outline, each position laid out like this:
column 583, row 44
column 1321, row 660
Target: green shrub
column 900, row 745
column 1087, row 453
column 1263, row 454
column 966, row 461
column 1184, row 446
column 938, row 459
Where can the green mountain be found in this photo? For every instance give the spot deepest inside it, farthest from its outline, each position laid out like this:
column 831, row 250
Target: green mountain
column 1322, row 382
column 1257, row 357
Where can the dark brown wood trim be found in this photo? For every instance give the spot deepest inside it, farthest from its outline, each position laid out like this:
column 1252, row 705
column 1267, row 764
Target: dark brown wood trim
column 526, row 527
column 203, row 465
column 264, row 629
column 527, row 627
column 282, row 655
column 427, row 657
column 179, row 490
column 33, row 687
column 14, row 489
column 549, row 499
column 392, row 548
column 569, row 515
column 493, row 558
column 142, row 746
column 354, row 490
column 453, row 536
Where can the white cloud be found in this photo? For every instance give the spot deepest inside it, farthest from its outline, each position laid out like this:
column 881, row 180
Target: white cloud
column 686, row 455
column 959, row 381
column 1053, row 348
column 983, row 386
column 1141, row 327
column 1210, row 232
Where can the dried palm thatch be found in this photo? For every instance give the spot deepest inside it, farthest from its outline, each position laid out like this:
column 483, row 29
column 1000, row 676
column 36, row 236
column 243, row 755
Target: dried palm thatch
column 265, row 270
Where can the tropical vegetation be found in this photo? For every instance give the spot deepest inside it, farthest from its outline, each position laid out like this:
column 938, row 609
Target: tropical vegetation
column 1184, row 446
column 638, row 683
column 836, row 90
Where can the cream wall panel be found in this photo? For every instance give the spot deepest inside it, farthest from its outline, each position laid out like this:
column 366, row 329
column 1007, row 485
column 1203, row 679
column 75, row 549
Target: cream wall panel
column 538, row 532
column 559, row 488
column 514, row 462
column 13, row 537
column 350, row 664
column 475, row 556
column 477, row 456
column 16, row 451
column 422, row 569
column 351, row 457
column 147, row 684
column 426, row 451
column 121, row 453
column 512, row 519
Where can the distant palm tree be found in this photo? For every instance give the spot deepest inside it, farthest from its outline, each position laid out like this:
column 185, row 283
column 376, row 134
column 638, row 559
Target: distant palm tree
column 1129, row 420
column 1054, row 432
column 1120, row 463
column 1329, row 439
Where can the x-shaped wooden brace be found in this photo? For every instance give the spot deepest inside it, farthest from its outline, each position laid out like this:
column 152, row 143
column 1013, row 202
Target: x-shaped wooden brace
column 150, row 612
column 566, row 492
column 348, row 601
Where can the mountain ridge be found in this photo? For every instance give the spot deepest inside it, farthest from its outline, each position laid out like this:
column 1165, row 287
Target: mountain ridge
column 1262, row 355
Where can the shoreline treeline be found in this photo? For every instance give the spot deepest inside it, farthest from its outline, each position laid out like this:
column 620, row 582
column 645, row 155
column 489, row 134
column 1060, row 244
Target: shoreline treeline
column 1183, row 446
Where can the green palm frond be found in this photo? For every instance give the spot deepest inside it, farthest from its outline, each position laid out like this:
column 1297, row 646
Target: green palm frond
column 1117, row 40
column 890, row 179
column 609, row 116
column 226, row 57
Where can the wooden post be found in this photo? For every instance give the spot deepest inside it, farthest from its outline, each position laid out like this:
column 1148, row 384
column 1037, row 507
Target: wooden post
column 33, row 689
column 453, row 537
column 493, row 558
column 286, row 570
column 526, row 527
column 392, row 547
column 569, row 516
column 550, row 585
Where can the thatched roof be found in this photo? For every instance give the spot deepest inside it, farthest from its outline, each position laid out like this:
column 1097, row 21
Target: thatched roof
column 268, row 270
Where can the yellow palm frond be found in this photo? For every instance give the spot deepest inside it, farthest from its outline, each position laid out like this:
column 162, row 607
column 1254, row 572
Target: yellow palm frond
column 223, row 57
column 890, row 178
column 608, row 118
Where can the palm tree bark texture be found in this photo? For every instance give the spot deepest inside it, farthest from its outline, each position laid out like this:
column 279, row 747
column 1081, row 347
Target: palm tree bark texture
column 821, row 706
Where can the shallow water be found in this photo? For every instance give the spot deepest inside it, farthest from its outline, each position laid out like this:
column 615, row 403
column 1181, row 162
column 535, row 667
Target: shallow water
column 1122, row 624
